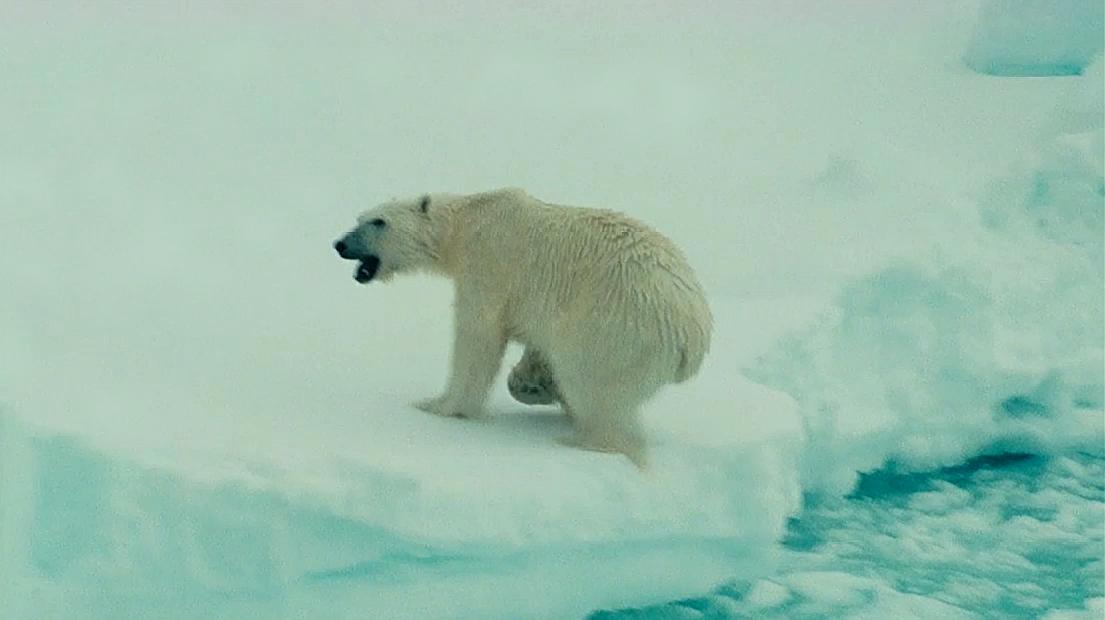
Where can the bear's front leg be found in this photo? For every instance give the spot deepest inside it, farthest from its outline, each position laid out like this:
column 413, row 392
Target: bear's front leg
column 478, row 346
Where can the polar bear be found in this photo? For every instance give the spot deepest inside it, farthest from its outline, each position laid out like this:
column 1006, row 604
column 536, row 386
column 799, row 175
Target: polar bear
column 608, row 309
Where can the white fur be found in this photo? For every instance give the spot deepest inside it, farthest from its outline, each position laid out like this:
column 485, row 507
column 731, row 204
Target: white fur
column 607, row 305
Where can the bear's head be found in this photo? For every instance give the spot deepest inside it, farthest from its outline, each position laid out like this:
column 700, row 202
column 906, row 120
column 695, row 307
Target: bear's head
column 395, row 237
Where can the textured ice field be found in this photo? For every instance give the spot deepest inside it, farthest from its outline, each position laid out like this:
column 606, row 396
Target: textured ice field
column 1006, row 537
column 203, row 416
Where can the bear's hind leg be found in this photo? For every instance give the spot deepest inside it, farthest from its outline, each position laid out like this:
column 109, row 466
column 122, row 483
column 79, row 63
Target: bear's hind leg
column 531, row 380
column 605, row 413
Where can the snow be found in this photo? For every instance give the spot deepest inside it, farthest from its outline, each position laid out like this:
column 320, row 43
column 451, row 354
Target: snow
column 394, row 501
column 203, row 416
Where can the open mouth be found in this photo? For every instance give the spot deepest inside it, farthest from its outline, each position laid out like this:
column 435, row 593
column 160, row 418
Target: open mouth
column 366, row 270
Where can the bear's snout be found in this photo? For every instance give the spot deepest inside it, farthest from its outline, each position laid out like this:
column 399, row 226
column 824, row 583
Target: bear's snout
column 344, row 250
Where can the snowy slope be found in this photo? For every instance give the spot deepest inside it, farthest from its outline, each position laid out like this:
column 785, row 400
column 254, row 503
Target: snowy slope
column 992, row 342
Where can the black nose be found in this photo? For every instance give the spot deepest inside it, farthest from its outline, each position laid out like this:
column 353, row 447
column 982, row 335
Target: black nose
column 346, row 249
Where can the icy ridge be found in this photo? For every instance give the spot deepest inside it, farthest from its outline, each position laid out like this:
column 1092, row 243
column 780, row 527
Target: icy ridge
column 993, row 342
column 80, row 519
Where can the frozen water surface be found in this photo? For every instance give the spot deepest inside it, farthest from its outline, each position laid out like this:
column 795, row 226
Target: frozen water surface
column 1015, row 536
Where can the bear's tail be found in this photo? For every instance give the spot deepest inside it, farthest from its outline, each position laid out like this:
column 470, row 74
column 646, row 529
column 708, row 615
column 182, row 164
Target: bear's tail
column 691, row 355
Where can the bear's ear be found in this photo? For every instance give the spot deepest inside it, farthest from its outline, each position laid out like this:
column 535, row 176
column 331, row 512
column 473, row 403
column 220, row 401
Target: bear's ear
column 424, row 205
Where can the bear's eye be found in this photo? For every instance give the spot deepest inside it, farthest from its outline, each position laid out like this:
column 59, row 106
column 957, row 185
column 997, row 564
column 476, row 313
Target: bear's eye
column 378, row 223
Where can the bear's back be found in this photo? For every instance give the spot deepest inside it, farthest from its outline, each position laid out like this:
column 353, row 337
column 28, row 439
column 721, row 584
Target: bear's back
column 595, row 270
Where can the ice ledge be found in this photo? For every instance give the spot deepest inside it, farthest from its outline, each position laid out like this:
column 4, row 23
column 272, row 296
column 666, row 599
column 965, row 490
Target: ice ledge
column 481, row 515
